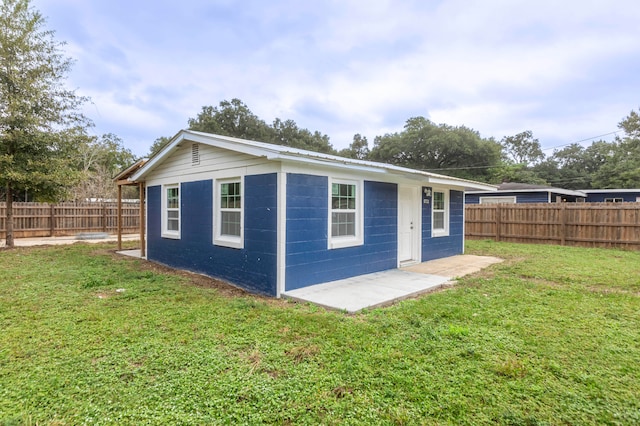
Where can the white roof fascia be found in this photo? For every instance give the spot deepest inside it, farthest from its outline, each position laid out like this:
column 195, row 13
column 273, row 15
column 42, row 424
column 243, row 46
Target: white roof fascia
column 549, row 190
column 607, row 191
column 151, row 163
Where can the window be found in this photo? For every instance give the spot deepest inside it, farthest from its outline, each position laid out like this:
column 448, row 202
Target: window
column 229, row 214
column 171, row 211
column 613, row 200
column 498, row 200
column 345, row 214
column 440, row 226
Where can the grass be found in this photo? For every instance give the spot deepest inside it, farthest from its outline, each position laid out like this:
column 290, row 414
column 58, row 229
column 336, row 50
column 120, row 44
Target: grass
column 550, row 336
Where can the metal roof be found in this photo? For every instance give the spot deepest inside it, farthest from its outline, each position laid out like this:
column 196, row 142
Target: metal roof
column 285, row 153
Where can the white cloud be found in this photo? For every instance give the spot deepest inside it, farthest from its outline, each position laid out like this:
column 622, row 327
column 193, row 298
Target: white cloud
column 346, row 66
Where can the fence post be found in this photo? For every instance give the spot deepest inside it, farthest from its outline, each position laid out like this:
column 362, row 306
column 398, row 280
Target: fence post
column 563, row 224
column 52, row 219
column 104, row 216
column 119, row 226
column 498, row 221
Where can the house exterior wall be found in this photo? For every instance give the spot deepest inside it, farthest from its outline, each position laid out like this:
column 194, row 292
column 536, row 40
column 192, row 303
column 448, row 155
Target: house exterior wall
column 451, row 245
column 521, row 197
column 308, row 259
column 286, row 223
column 598, row 197
column 253, row 267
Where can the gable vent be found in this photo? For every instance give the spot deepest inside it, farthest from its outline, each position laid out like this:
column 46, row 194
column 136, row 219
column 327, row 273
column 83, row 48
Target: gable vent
column 195, row 154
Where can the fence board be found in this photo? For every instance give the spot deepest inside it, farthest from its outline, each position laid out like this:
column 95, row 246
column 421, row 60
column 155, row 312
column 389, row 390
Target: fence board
column 47, row 220
column 577, row 224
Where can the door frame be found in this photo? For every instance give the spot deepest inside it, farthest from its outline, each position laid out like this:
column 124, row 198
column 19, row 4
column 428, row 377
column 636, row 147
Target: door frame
column 416, row 235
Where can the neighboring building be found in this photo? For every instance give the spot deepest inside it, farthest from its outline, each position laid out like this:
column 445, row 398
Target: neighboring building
column 612, row 195
column 524, row 193
column 272, row 218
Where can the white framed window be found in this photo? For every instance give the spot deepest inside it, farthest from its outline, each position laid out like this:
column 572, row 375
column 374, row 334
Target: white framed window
column 229, row 213
column 440, row 214
column 171, row 211
column 498, row 200
column 613, row 200
column 345, row 213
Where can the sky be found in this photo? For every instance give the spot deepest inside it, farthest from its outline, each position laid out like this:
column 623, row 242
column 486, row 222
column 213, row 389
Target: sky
column 567, row 70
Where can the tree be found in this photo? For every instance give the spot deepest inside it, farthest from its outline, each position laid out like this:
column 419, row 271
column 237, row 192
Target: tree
column 289, row 134
column 358, row 149
column 234, row 118
column 99, row 160
column 423, row 145
column 157, row 145
column 231, row 118
column 622, row 168
column 522, row 148
column 39, row 118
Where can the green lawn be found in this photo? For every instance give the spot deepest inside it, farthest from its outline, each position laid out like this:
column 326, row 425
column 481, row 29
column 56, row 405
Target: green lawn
column 550, row 336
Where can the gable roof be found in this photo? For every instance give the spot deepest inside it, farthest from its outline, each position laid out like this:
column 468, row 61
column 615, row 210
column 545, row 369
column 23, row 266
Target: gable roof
column 286, row 153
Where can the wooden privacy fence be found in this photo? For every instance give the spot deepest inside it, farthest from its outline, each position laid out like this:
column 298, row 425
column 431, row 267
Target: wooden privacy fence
column 48, row 220
column 577, row 224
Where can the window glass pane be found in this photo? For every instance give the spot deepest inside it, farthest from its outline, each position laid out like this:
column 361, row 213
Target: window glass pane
column 438, row 220
column 230, row 197
column 343, row 196
column 173, row 225
column 438, row 200
column 230, row 223
column 172, row 198
column 343, row 224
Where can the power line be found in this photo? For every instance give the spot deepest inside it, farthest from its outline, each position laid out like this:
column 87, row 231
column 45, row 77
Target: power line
column 582, row 140
column 543, row 149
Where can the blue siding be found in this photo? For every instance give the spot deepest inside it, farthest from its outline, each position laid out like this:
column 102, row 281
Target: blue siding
column 598, row 197
column 472, row 198
column 252, row 268
column 521, row 197
column 531, row 197
column 309, row 261
column 438, row 247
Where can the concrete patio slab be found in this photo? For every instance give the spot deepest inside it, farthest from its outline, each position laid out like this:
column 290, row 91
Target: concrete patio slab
column 386, row 287
column 71, row 239
column 137, row 253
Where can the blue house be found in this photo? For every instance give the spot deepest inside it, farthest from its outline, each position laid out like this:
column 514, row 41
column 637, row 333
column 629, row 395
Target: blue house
column 513, row 193
column 271, row 218
column 612, row 195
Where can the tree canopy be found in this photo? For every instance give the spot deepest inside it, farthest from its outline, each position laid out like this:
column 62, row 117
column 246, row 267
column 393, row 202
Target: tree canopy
column 423, row 145
column 99, row 160
column 39, row 117
column 450, row 150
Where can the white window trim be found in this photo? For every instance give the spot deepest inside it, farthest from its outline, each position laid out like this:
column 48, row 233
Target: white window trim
column 498, row 199
column 166, row 233
column 447, row 212
column 227, row 240
column 347, row 241
column 614, row 200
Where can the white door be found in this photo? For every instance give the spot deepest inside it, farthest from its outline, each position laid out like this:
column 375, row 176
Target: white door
column 407, row 225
